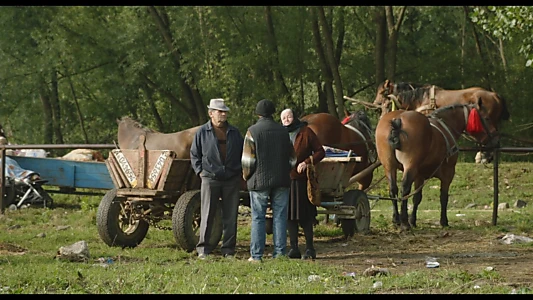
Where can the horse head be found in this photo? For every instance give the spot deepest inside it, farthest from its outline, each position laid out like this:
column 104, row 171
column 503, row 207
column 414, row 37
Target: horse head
column 389, row 93
column 383, row 91
column 476, row 123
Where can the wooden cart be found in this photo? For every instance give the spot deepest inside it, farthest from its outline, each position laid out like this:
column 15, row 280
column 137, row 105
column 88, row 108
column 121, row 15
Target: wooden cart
column 351, row 207
column 151, row 186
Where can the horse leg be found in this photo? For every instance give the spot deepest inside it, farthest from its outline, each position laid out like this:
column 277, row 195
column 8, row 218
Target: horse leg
column 407, row 182
column 444, row 193
column 447, row 172
column 393, row 194
column 417, row 198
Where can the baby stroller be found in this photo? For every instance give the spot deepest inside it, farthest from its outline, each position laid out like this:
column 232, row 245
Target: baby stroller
column 24, row 187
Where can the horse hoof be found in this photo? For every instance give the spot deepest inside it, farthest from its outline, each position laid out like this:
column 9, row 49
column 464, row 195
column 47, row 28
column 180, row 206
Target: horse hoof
column 405, row 228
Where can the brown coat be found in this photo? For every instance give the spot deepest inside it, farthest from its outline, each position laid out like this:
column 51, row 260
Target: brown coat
column 305, row 145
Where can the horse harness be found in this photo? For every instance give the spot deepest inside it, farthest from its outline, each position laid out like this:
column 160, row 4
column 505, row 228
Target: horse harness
column 451, row 143
column 370, row 151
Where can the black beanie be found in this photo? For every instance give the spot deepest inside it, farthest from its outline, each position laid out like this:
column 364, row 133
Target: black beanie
column 265, row 108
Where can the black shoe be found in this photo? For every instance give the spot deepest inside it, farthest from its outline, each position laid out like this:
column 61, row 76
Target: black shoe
column 294, row 253
column 309, row 254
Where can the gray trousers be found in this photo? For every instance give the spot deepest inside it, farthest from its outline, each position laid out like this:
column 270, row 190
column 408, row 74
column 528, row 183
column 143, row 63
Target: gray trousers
column 212, row 191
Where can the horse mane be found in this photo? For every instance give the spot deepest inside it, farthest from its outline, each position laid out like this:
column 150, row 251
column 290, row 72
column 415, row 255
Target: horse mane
column 417, row 96
column 405, row 86
column 439, row 110
column 129, row 121
column 362, row 118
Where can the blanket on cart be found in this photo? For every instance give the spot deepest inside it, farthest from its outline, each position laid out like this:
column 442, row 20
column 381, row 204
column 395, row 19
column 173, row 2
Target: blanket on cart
column 334, row 152
column 13, row 170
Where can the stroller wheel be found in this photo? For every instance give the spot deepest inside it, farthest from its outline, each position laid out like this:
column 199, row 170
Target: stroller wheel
column 9, row 194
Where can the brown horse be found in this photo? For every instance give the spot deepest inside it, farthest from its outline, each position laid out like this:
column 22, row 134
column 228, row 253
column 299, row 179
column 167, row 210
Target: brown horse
column 425, row 147
column 130, row 130
column 426, row 98
column 355, row 134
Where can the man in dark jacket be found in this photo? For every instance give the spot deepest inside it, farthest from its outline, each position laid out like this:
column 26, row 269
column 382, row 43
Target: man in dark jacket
column 216, row 157
column 268, row 157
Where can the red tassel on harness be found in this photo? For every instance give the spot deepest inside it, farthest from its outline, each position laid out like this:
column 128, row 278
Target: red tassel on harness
column 474, row 124
column 345, row 120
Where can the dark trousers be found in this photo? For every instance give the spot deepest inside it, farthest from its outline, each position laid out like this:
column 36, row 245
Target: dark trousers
column 307, row 226
column 301, row 212
column 212, row 191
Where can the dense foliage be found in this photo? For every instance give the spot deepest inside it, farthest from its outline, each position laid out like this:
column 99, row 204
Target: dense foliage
column 67, row 73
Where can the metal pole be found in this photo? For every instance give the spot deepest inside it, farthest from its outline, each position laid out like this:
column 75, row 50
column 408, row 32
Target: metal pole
column 496, row 190
column 2, row 181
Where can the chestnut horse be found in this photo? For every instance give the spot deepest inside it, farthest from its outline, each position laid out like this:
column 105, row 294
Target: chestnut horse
column 355, row 134
column 180, row 142
column 425, row 147
column 426, row 98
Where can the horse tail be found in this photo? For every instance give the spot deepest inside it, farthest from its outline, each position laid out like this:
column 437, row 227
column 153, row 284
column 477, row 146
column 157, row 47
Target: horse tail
column 394, row 136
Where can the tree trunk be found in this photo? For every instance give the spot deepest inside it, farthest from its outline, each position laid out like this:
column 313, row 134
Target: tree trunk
column 381, row 43
column 339, row 47
column 48, row 128
column 392, row 43
column 194, row 104
column 330, row 55
column 324, row 67
column 56, row 109
column 281, row 87
column 78, row 111
column 148, row 92
column 484, row 62
column 322, row 98
column 463, row 52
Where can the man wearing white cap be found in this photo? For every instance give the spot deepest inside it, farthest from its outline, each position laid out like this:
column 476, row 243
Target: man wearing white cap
column 216, row 157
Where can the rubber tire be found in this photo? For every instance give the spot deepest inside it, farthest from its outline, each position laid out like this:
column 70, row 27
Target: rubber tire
column 186, row 219
column 9, row 194
column 107, row 222
column 361, row 224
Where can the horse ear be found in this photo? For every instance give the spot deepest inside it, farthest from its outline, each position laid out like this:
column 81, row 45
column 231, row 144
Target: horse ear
column 386, row 84
column 346, row 113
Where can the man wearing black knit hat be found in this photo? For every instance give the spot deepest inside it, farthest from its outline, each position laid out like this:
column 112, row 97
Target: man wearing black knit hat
column 268, row 156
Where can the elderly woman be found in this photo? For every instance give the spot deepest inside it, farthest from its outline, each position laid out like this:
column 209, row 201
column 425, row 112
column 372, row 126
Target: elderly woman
column 301, row 211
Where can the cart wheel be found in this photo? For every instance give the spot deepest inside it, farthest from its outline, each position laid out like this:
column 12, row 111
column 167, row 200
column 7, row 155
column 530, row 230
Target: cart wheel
column 186, row 221
column 361, row 224
column 115, row 222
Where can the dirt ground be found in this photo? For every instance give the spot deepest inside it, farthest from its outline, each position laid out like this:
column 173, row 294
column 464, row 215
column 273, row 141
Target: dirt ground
column 401, row 253
column 453, row 249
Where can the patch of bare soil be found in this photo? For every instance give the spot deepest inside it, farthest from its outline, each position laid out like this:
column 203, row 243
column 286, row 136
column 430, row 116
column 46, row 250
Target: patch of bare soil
column 10, row 249
column 401, row 253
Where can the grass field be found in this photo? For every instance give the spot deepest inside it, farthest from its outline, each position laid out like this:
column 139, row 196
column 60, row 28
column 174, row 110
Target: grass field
column 30, row 239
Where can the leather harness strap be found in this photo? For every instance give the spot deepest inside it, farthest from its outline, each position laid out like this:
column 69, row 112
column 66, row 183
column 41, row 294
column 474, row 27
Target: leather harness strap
column 453, row 149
